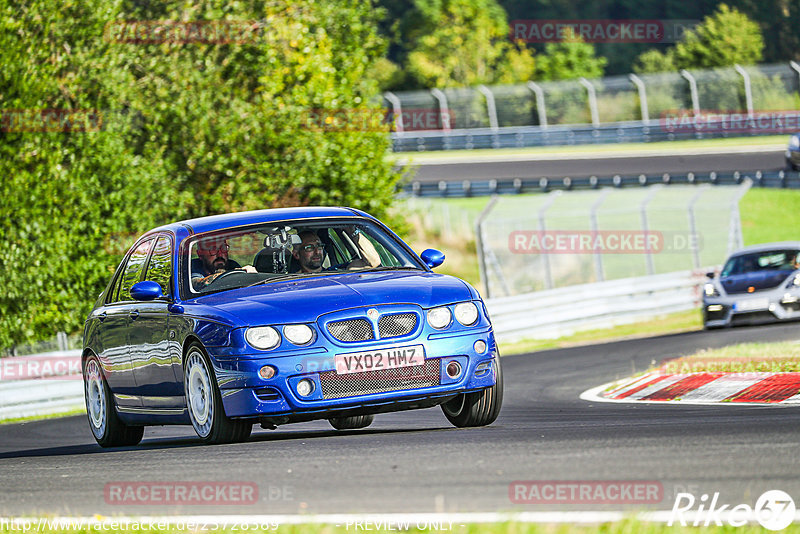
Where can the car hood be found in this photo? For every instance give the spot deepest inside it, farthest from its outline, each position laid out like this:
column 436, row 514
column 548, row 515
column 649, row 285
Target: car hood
column 304, row 300
column 758, row 280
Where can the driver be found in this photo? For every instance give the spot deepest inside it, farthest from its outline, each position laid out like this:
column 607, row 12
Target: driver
column 310, row 252
column 213, row 261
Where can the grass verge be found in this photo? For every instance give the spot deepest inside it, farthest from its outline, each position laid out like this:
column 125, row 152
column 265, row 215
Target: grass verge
column 628, row 526
column 58, row 415
column 782, row 357
column 673, row 323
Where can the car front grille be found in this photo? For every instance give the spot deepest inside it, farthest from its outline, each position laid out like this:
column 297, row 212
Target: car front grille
column 398, row 324
column 351, row 330
column 336, row 386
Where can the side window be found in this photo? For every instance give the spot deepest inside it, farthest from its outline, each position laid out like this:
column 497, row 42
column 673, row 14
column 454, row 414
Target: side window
column 133, row 270
column 160, row 267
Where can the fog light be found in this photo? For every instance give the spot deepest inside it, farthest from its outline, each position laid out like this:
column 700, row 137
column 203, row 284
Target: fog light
column 453, row 369
column 715, row 307
column 479, row 346
column 305, row 387
column 267, row 372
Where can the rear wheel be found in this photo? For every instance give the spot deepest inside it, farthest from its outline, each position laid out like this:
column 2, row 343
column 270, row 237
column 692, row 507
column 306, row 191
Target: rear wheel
column 107, row 428
column 204, row 402
column 477, row 409
column 352, row 422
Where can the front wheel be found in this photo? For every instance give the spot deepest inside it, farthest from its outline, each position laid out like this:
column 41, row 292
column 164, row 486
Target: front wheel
column 107, row 428
column 204, row 402
column 480, row 408
column 351, row 423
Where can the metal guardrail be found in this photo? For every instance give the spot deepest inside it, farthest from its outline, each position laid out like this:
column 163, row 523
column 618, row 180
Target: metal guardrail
column 557, row 312
column 514, row 186
column 47, row 384
column 581, row 134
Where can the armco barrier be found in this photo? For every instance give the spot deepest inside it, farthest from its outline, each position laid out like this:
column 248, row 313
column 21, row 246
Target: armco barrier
column 556, row 312
column 40, row 384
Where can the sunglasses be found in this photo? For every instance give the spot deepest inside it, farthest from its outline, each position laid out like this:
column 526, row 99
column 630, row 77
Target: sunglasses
column 312, row 248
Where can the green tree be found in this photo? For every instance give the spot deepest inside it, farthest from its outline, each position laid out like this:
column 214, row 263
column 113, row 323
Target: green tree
column 723, row 39
column 188, row 129
column 569, row 59
column 462, row 43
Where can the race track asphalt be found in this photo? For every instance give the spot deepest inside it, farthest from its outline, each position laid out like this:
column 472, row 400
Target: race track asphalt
column 416, row 462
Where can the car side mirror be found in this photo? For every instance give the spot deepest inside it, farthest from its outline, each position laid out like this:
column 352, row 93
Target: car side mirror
column 432, row 257
column 146, row 290
column 710, row 275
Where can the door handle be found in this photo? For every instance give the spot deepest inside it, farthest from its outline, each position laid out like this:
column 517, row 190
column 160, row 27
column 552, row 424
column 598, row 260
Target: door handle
column 134, row 314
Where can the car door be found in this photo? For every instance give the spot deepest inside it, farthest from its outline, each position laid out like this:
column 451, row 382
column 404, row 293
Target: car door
column 153, row 356
column 114, row 337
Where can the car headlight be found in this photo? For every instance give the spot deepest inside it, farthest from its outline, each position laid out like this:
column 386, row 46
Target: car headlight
column 466, row 313
column 796, row 281
column 299, row 334
column 794, row 142
column 710, row 290
column 262, row 337
column 439, row 317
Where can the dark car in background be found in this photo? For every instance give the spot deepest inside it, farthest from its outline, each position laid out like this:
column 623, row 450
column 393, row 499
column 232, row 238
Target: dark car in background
column 757, row 284
column 282, row 316
column 793, row 152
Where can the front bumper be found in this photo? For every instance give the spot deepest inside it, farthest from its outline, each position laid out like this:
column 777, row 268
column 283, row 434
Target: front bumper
column 772, row 305
column 246, row 395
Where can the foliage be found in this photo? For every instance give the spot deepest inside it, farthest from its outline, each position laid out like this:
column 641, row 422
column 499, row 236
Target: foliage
column 456, row 43
column 568, row 59
column 188, row 129
column 725, row 38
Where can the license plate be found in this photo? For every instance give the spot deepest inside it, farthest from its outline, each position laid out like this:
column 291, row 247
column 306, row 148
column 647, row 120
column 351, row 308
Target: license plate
column 751, row 304
column 381, row 358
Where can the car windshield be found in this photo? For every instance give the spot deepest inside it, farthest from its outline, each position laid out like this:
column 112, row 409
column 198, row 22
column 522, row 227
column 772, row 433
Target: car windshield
column 770, row 260
column 240, row 257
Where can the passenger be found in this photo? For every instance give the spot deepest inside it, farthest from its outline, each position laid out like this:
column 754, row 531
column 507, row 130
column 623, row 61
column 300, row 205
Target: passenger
column 310, row 252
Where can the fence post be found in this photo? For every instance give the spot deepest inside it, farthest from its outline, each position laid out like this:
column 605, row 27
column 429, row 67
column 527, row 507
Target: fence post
column 490, row 106
column 639, row 83
column 693, row 227
column 748, row 91
column 540, row 106
column 479, row 244
column 651, row 269
column 796, row 67
column 735, row 225
column 692, row 90
column 592, row 100
column 548, row 275
column 444, row 111
column 397, row 110
column 598, row 256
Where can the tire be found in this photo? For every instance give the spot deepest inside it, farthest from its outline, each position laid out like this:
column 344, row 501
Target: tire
column 107, row 428
column 352, row 422
column 204, row 402
column 480, row 408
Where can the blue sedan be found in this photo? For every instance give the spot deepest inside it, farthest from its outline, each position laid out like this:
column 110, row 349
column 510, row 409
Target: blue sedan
column 282, row 316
